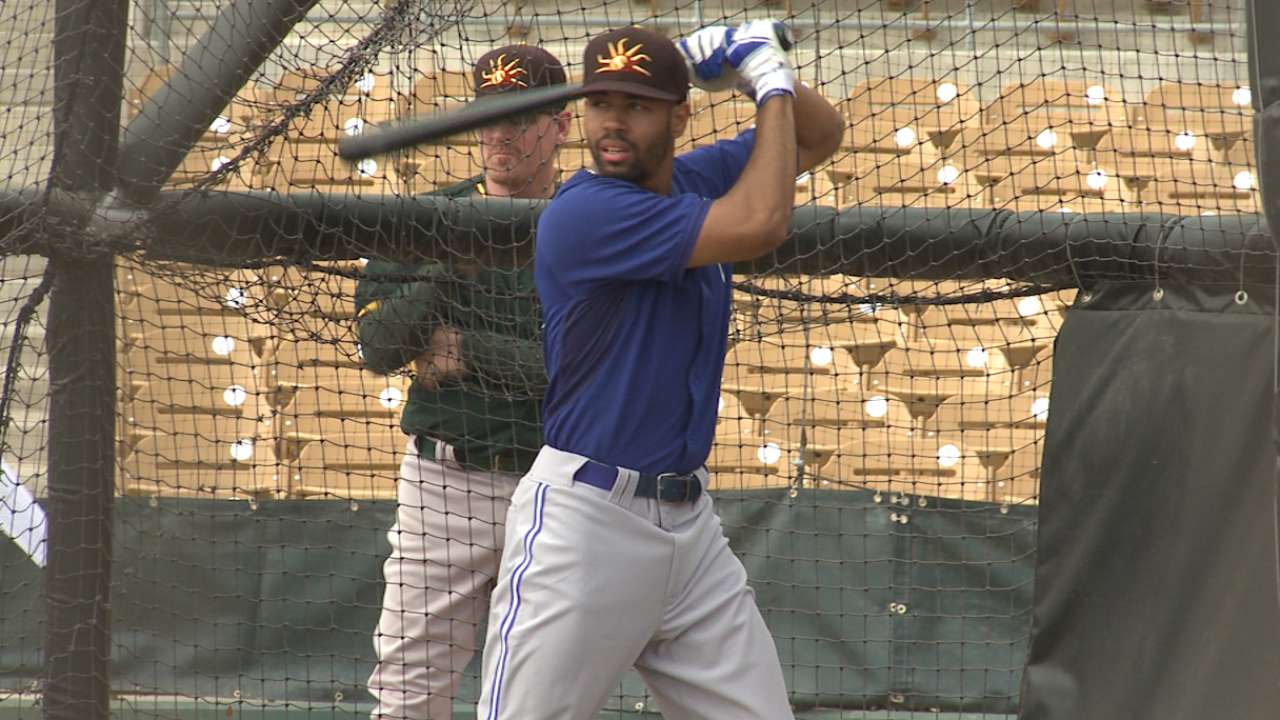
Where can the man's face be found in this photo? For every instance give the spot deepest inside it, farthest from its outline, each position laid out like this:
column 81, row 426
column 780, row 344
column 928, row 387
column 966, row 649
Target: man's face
column 631, row 137
column 513, row 150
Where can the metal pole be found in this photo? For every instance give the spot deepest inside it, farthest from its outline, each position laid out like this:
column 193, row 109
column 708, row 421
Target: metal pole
column 673, row 21
column 89, row 56
column 169, row 124
column 1264, row 78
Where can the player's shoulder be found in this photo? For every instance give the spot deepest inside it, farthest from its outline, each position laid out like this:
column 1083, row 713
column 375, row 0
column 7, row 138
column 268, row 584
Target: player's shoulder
column 586, row 195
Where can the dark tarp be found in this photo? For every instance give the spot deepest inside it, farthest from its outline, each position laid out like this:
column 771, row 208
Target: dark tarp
column 279, row 602
column 1156, row 588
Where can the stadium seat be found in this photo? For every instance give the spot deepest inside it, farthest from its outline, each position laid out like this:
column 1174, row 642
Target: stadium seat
column 363, row 466
column 716, row 118
column 940, row 107
column 227, row 458
column 1193, row 187
column 885, row 452
column 1132, row 145
column 310, row 360
column 1086, row 110
column 319, row 299
column 201, row 162
column 1215, row 111
column 160, row 406
column 336, row 118
column 902, row 181
column 969, row 411
column 787, row 354
column 748, row 465
column 1049, row 186
column 819, row 411
column 891, row 132
column 317, row 165
column 931, row 359
column 429, row 168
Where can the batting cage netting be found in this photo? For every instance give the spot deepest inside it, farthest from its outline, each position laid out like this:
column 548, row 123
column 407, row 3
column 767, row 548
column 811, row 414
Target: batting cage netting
column 280, row 321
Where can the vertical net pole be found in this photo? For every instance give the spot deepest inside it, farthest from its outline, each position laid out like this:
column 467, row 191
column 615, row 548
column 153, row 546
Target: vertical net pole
column 89, row 46
column 1264, row 74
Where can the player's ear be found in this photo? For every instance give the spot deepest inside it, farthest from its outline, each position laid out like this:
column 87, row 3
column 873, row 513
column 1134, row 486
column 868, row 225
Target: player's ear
column 679, row 118
column 564, row 119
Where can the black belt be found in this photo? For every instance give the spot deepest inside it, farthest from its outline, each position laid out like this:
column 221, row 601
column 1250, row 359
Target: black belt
column 667, row 487
column 496, row 462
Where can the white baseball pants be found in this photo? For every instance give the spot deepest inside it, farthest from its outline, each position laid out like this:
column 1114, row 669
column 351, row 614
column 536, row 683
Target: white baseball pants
column 445, row 548
column 598, row 581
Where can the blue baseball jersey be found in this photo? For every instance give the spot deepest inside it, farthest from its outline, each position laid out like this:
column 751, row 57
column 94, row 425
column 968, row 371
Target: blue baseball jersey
column 634, row 339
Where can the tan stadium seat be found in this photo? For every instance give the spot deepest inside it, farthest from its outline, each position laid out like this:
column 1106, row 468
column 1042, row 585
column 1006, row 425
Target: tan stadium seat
column 830, row 407
column 719, row 119
column 1216, row 111
column 214, row 359
column 889, row 132
column 938, row 108
column 1086, row 110
column 160, row 406
column 903, row 181
column 364, row 467
column 1025, row 412
column 757, row 392
column 432, row 167
column 930, row 359
column 792, row 353
column 1051, row 185
column 339, row 399
column 748, row 458
column 317, row 165
column 336, row 118
column 319, row 300
column 227, row 458
column 304, row 362
column 1194, row 187
column 202, row 162
column 1132, row 145
column 880, row 452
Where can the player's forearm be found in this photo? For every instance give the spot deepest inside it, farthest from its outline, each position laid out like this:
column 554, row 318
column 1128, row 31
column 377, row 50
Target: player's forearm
column 512, row 364
column 765, row 191
column 819, row 128
column 394, row 332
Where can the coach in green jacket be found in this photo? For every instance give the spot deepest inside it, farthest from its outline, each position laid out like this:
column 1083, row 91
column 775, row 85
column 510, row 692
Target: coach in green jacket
column 473, row 337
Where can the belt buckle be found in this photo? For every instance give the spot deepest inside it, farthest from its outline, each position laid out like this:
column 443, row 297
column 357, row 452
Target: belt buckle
column 687, row 492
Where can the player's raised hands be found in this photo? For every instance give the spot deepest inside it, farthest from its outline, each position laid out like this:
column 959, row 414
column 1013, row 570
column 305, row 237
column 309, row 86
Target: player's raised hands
column 757, row 54
column 704, row 52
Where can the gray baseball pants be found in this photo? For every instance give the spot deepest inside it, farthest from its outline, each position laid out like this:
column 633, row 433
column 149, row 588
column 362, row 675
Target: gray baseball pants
column 445, row 548
column 598, row 581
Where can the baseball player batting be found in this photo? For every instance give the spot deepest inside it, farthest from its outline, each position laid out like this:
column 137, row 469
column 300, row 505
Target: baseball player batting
column 473, row 338
column 616, row 557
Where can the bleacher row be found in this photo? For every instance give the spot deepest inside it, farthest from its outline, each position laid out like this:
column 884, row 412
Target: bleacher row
column 217, row 399
column 1058, row 145
column 913, row 399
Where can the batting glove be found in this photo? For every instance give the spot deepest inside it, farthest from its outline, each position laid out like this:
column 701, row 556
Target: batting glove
column 704, row 53
column 757, row 55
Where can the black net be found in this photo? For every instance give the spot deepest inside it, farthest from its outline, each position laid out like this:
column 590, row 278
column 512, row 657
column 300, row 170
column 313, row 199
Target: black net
column 291, row 412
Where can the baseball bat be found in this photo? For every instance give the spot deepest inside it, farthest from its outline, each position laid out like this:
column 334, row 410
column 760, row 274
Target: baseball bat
column 475, row 114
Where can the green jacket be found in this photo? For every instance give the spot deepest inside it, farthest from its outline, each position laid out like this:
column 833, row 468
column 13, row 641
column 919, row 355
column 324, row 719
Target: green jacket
column 493, row 416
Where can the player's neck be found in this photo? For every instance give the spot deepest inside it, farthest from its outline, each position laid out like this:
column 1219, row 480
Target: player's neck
column 660, row 181
column 540, row 186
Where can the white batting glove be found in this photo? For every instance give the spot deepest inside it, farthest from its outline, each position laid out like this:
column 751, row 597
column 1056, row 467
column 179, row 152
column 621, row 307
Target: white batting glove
column 757, row 55
column 704, row 54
